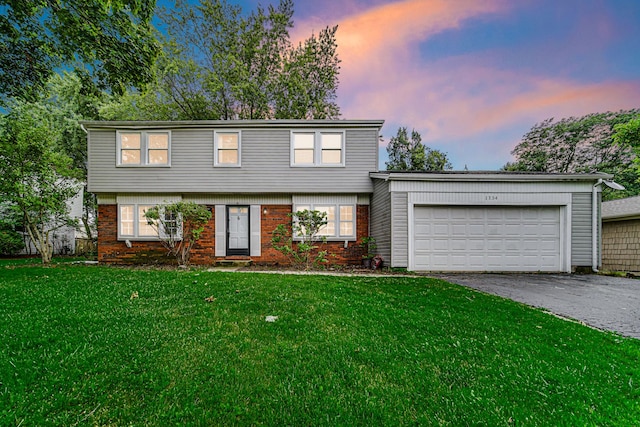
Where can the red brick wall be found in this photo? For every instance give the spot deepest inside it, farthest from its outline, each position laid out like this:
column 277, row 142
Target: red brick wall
column 203, row 251
column 110, row 250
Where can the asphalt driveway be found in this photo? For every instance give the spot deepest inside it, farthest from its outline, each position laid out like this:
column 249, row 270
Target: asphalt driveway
column 610, row 303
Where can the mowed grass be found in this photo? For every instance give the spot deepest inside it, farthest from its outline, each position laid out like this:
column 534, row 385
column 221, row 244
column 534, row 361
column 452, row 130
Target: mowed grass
column 77, row 349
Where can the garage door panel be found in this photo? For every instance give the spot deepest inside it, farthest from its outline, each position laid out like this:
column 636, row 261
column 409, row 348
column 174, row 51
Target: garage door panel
column 511, row 229
column 472, row 244
column 475, row 230
column 458, row 230
column 423, row 228
column 547, row 229
column 440, row 229
column 480, row 238
column 458, row 245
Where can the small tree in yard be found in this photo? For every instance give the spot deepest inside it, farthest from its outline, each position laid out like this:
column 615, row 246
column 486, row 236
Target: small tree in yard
column 179, row 225
column 305, row 226
column 36, row 178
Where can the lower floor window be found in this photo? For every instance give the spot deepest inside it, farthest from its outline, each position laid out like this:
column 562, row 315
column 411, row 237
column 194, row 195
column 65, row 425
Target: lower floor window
column 133, row 224
column 341, row 219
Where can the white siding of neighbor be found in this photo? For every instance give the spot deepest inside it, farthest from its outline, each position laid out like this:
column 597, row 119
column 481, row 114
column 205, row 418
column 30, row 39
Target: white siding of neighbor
column 63, row 238
column 265, row 158
column 380, row 225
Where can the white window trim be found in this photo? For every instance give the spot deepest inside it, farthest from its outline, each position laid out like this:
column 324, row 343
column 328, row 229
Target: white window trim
column 317, row 149
column 216, row 163
column 336, row 206
column 144, row 149
column 136, row 222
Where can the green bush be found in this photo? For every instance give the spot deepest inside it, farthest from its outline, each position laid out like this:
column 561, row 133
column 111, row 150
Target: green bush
column 11, row 242
column 305, row 226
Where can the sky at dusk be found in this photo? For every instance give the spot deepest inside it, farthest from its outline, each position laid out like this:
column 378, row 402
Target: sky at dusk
column 473, row 76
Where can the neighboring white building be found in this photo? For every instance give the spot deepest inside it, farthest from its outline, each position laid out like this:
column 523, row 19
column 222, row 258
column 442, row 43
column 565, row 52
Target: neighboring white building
column 64, row 238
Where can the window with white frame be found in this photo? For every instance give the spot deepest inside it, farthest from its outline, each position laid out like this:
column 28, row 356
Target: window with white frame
column 341, row 220
column 133, row 224
column 317, row 148
column 227, row 148
column 143, row 148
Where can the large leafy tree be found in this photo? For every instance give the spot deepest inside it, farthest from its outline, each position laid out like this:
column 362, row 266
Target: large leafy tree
column 219, row 63
column 112, row 41
column 69, row 99
column 628, row 135
column 579, row 145
column 36, row 176
column 408, row 153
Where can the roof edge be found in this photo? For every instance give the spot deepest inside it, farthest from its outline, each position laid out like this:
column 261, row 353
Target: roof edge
column 620, row 217
column 189, row 124
column 487, row 176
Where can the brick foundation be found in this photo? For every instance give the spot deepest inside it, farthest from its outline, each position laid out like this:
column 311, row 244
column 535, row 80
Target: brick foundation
column 621, row 245
column 110, row 250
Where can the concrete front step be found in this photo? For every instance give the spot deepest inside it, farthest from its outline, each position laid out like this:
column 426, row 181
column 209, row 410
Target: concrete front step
column 233, row 262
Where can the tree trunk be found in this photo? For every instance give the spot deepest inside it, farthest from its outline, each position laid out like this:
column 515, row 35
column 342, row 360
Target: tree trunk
column 40, row 240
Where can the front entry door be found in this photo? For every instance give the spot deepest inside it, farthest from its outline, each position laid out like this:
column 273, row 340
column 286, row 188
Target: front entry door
column 238, row 230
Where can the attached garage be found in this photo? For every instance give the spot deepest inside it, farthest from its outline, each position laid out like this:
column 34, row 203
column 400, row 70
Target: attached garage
column 487, row 238
column 487, row 222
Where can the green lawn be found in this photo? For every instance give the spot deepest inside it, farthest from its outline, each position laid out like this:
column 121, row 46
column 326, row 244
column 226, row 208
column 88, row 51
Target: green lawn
column 77, row 349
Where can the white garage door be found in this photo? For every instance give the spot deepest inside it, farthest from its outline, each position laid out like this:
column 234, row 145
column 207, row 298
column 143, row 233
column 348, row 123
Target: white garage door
column 480, row 238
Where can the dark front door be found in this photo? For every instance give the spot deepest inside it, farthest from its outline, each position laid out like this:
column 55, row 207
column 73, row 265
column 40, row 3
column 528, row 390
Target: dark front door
column 238, row 230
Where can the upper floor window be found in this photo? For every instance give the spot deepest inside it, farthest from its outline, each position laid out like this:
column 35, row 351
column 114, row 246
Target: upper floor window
column 319, row 148
column 145, row 148
column 227, row 148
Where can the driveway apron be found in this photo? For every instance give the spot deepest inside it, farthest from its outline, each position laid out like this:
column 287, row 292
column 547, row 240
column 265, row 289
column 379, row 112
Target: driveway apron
column 609, row 303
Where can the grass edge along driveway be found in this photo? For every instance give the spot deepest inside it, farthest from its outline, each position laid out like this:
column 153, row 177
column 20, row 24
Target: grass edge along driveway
column 95, row 345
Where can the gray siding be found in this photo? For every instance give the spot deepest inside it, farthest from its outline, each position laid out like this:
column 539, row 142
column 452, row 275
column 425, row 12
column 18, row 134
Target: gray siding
column 581, row 242
column 380, row 225
column 399, row 229
column 265, row 159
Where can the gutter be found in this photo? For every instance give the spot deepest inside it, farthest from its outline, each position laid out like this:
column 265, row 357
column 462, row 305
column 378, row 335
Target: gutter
column 594, row 218
column 594, row 226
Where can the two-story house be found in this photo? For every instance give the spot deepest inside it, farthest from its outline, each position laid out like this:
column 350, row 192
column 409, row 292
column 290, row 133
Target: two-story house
column 252, row 174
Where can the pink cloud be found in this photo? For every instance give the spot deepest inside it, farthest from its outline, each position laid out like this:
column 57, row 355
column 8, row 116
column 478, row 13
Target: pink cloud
column 456, row 100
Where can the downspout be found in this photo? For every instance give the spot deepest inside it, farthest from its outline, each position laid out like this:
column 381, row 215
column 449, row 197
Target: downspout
column 594, row 226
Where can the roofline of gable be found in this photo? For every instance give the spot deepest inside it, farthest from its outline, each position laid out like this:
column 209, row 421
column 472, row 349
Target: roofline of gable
column 235, row 124
column 487, row 176
column 620, row 217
